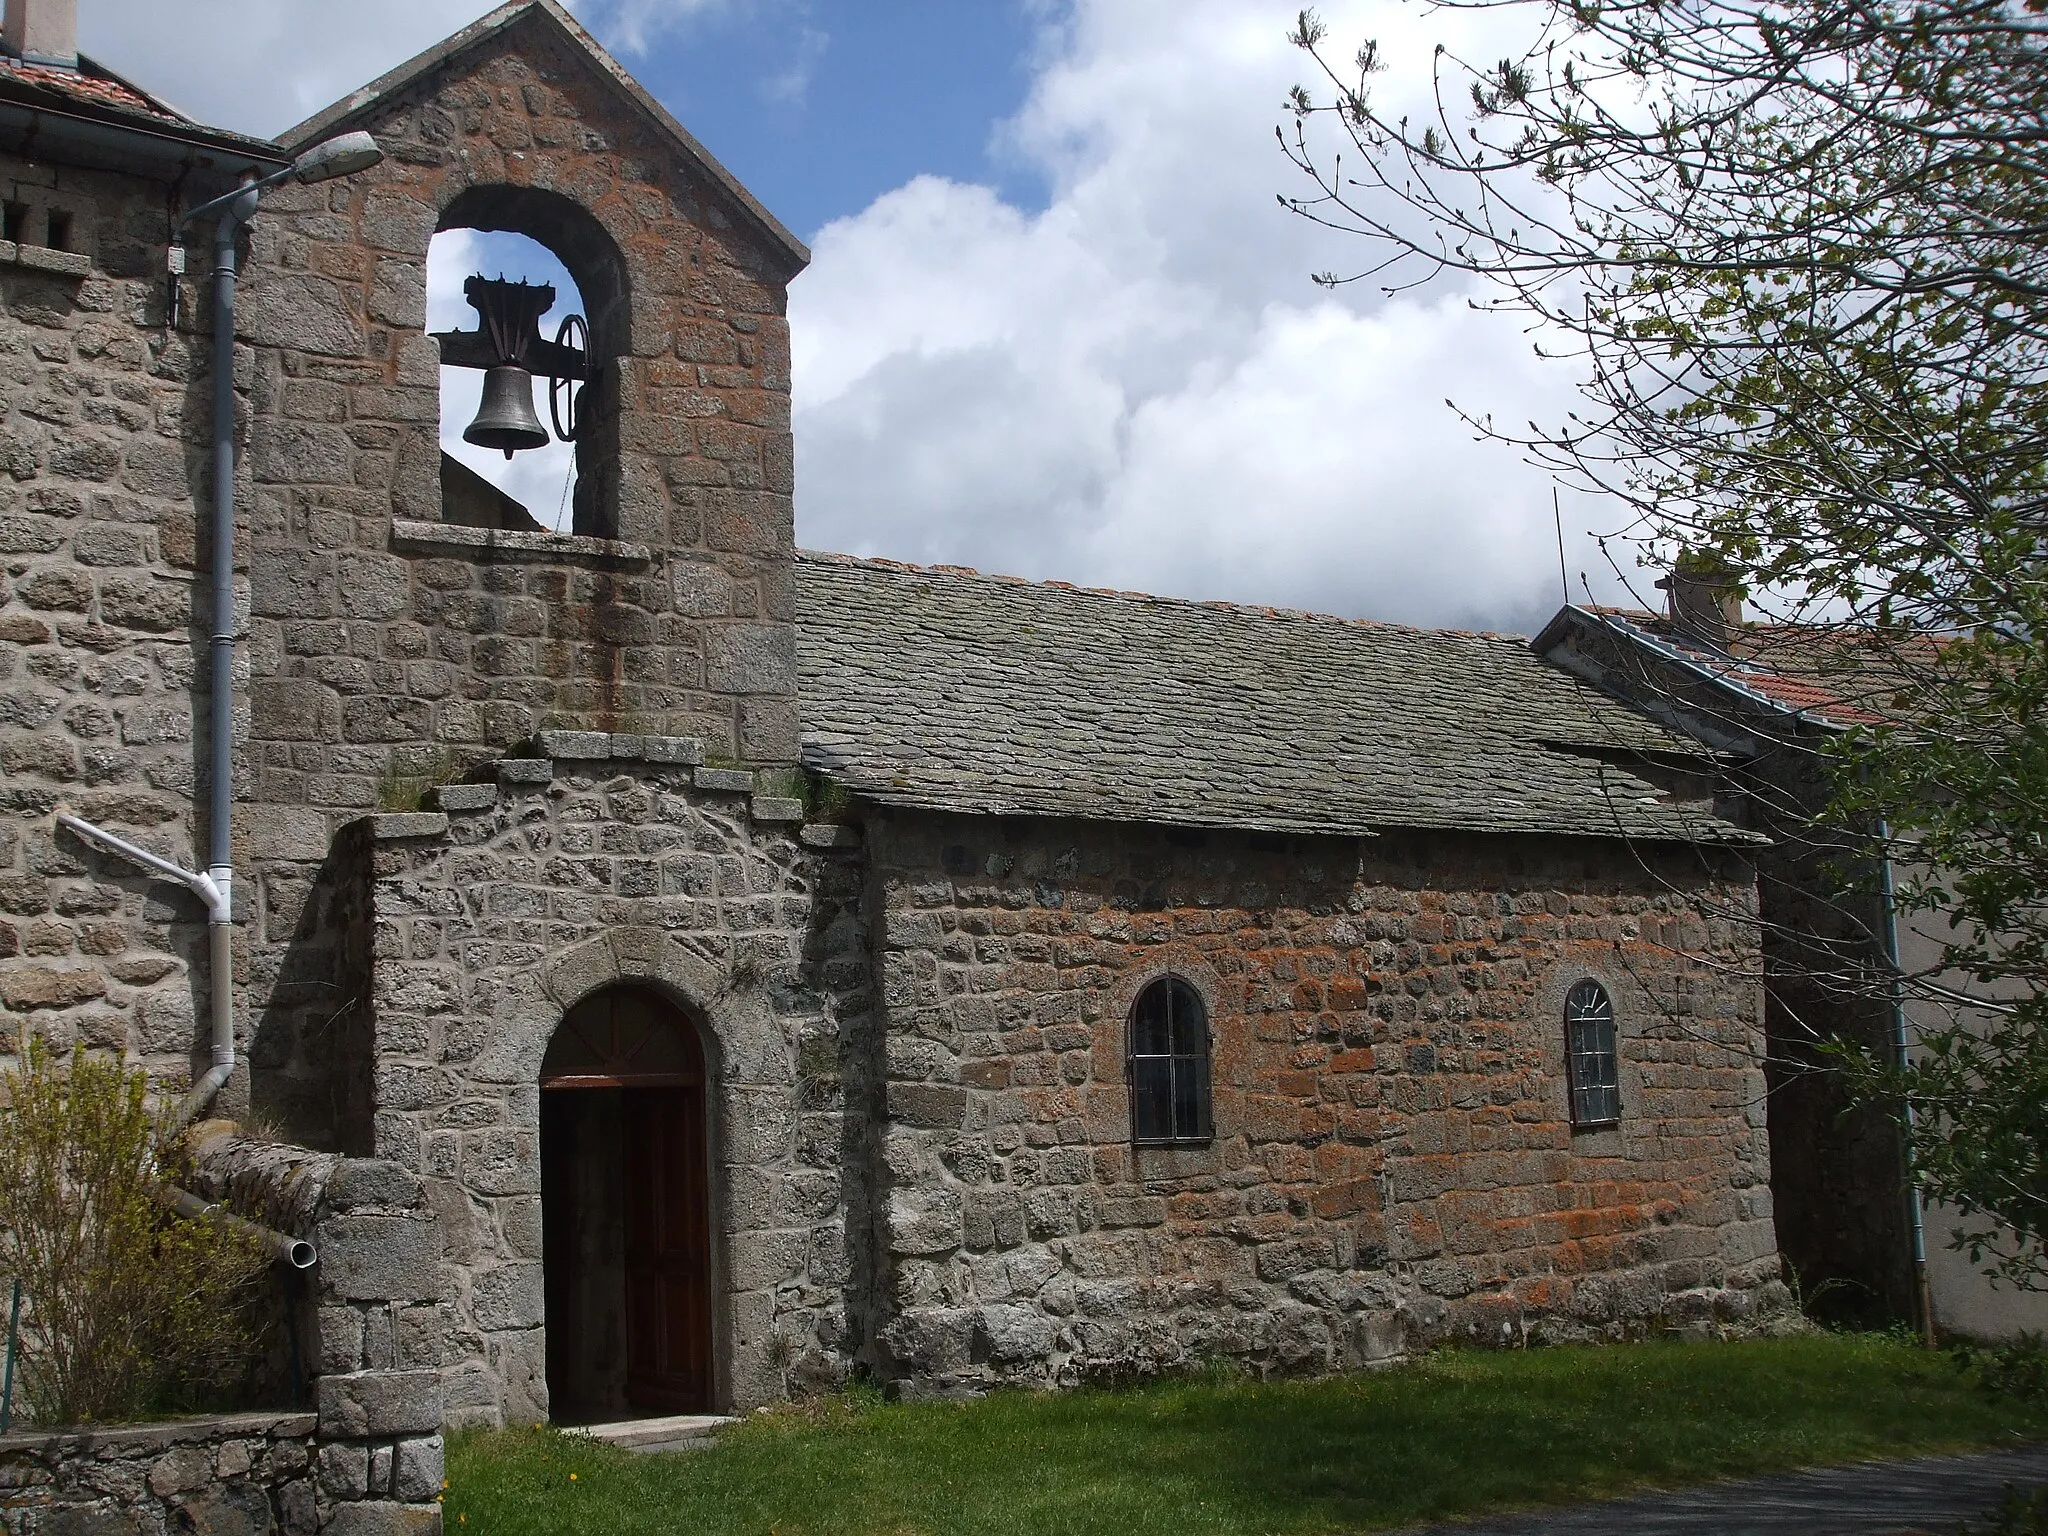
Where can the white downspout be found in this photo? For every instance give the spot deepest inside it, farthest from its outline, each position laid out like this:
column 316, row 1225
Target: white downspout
column 216, row 889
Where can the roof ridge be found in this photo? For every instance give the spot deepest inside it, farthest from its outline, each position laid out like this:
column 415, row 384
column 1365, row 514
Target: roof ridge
column 1223, row 605
column 512, row 13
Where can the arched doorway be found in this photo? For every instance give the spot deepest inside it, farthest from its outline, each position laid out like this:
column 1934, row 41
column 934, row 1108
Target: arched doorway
column 625, row 1208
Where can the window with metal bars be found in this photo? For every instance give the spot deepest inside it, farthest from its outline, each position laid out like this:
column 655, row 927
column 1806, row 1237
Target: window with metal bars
column 1169, row 1065
column 1590, row 1055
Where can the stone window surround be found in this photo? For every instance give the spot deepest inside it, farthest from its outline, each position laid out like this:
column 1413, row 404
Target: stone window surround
column 1185, row 1159
column 1201, row 1138
column 1583, row 1009
column 1631, row 1009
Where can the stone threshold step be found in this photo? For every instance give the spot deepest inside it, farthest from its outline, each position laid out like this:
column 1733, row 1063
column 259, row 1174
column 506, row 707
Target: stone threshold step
column 677, row 1432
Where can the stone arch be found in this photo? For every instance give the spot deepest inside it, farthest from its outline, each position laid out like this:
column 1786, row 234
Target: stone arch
column 1636, row 1019
column 744, row 1042
column 628, row 1255
column 751, row 1088
column 746, row 1051
column 579, row 239
column 574, row 233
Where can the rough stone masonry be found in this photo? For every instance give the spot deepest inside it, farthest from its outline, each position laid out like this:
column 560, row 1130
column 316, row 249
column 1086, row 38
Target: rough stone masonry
column 1393, row 1163
column 897, row 846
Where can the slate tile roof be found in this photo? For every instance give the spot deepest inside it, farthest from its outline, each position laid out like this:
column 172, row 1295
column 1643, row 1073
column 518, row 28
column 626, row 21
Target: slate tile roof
column 945, row 689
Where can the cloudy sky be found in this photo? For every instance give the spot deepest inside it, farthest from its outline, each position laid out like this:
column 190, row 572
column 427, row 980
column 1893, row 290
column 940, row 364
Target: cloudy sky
column 1056, row 324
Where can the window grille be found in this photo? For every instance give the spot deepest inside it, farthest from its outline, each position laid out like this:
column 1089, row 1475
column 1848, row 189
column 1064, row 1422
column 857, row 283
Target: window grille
column 1169, row 1065
column 1593, row 1062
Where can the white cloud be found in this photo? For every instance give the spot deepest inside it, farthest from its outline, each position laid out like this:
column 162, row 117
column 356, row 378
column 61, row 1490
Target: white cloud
column 1139, row 386
column 259, row 66
column 790, row 85
column 631, row 25
column 1136, row 385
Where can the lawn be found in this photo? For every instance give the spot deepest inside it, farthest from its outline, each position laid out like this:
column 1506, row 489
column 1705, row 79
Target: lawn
column 1454, row 1434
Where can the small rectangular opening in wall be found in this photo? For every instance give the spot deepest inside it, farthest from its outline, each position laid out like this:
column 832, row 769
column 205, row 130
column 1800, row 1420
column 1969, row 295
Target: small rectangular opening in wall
column 13, row 221
column 59, row 227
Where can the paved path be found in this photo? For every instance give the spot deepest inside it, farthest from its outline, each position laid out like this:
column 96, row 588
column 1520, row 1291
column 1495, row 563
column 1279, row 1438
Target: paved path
column 1872, row 1498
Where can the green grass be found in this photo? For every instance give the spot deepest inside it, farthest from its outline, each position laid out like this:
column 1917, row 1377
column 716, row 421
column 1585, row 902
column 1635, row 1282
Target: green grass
column 1455, row 1434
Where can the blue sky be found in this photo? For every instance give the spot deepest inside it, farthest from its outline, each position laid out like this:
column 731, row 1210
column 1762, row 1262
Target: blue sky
column 1056, row 325
column 821, row 106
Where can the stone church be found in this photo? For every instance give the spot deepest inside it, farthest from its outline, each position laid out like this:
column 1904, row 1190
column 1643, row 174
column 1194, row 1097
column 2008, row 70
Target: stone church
column 664, row 970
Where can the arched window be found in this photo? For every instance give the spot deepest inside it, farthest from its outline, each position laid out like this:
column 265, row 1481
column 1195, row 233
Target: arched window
column 1169, row 1064
column 1590, row 1055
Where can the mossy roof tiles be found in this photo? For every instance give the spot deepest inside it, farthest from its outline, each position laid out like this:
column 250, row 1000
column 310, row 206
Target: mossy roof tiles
column 945, row 689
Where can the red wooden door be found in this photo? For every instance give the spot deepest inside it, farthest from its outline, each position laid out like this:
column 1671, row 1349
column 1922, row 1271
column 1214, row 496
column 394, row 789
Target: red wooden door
column 668, row 1251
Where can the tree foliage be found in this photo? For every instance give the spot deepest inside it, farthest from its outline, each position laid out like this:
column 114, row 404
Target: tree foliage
column 123, row 1303
column 1801, row 249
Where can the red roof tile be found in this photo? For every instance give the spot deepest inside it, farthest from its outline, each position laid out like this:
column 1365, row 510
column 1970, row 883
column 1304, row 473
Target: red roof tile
column 1835, row 675
column 88, row 86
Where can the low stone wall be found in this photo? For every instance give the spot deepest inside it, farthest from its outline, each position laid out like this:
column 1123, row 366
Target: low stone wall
column 245, row 1474
column 372, row 1326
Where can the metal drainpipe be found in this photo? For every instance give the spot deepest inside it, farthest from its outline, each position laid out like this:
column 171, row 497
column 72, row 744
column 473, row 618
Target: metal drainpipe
column 221, row 750
column 220, row 933
column 1923, row 1292
column 216, row 886
column 282, row 1246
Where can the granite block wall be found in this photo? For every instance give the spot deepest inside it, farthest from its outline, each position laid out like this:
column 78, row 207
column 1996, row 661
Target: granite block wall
column 1393, row 1161
column 104, row 417
column 371, row 1325
column 380, row 633
column 1838, row 1178
column 555, row 881
column 389, row 650
column 248, row 1474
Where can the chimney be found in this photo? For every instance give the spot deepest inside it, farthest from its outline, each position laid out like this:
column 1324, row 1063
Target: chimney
column 42, row 32
column 1703, row 599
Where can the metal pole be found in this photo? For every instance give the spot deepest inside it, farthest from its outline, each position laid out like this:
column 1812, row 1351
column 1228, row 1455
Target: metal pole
column 220, row 844
column 1902, row 1053
column 13, row 1330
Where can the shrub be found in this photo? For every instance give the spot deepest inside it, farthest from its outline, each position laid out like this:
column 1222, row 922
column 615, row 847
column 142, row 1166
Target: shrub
column 2017, row 1368
column 2022, row 1512
column 124, row 1303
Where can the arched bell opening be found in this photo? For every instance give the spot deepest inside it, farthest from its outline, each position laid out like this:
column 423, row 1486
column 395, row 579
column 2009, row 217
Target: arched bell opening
column 533, row 488
column 626, row 1211
column 525, row 374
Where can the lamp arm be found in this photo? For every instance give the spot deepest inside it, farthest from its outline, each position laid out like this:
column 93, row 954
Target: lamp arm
column 216, row 205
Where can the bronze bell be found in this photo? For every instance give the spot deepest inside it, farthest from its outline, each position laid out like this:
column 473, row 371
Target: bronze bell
column 505, row 417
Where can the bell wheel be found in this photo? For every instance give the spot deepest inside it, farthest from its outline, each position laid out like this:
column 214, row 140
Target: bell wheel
column 565, row 396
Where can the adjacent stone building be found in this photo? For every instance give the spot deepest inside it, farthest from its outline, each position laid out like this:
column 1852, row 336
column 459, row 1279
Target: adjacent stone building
column 1771, row 700
column 701, row 970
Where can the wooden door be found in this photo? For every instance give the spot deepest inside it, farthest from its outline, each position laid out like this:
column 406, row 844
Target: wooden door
column 641, row 1274
column 668, row 1250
